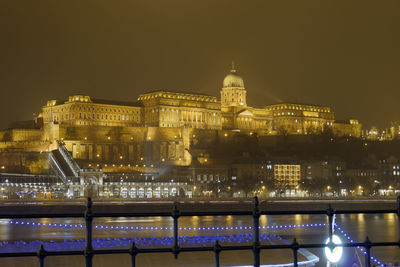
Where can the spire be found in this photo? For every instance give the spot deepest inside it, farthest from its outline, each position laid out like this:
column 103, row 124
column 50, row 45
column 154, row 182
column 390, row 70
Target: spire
column 233, row 66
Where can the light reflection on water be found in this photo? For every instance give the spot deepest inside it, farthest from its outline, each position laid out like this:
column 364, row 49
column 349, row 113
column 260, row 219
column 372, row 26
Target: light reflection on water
column 378, row 227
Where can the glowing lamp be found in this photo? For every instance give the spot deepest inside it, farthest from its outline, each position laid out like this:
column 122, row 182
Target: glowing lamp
column 335, row 254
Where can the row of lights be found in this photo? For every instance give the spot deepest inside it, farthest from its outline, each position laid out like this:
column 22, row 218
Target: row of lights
column 166, row 228
column 347, row 236
column 121, row 165
column 194, row 228
column 109, row 138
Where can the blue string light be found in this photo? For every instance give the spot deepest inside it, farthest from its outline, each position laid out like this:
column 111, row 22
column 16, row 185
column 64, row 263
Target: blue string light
column 154, row 241
column 165, row 228
column 99, row 243
column 347, row 236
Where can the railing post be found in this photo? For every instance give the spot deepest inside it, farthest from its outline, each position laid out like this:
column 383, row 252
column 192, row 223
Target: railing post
column 398, row 216
column 217, row 250
column 256, row 232
column 41, row 253
column 295, row 248
column 88, row 252
column 367, row 245
column 175, row 216
column 330, row 212
column 133, row 250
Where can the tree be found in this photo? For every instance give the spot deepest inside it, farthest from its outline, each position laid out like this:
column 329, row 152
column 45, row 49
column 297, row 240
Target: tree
column 248, row 183
column 218, row 186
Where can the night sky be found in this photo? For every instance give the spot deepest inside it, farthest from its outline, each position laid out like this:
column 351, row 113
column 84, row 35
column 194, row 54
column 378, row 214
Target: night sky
column 344, row 54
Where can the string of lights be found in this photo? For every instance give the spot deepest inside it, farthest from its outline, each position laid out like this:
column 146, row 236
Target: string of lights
column 69, row 244
column 143, row 242
column 156, row 228
column 347, row 236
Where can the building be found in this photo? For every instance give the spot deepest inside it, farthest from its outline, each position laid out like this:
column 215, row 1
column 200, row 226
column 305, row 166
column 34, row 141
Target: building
column 287, row 178
column 159, row 129
column 82, row 110
column 199, row 111
column 174, row 109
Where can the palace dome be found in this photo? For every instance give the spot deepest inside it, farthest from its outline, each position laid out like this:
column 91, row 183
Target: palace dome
column 233, row 80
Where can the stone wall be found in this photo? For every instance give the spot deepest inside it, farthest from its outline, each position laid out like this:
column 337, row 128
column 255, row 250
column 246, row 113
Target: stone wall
column 25, row 162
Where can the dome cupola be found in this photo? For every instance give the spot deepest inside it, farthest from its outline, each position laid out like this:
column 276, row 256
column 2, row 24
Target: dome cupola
column 233, row 93
column 233, row 79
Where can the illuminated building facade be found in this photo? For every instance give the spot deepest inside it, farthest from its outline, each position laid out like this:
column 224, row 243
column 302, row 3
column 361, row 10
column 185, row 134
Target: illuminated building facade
column 82, row 110
column 173, row 109
column 300, row 119
column 198, row 111
column 287, row 176
column 160, row 126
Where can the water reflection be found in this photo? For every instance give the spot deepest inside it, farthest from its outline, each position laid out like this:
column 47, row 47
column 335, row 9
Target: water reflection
column 229, row 220
column 263, row 220
column 360, row 217
column 381, row 227
column 195, row 221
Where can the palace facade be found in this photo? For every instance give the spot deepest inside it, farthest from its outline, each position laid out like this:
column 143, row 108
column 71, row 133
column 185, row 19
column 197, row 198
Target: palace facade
column 199, row 111
column 160, row 126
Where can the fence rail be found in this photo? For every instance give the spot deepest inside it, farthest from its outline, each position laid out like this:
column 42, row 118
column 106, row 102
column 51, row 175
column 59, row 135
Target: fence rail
column 176, row 249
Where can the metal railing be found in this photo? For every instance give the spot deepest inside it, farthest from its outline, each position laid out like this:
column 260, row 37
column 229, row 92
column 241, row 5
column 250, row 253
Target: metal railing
column 176, row 249
column 69, row 159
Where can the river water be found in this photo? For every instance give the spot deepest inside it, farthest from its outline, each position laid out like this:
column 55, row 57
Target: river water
column 193, row 230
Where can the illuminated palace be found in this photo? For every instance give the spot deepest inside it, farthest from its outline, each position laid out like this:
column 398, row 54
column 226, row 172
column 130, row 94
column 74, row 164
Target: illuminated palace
column 160, row 126
column 199, row 111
